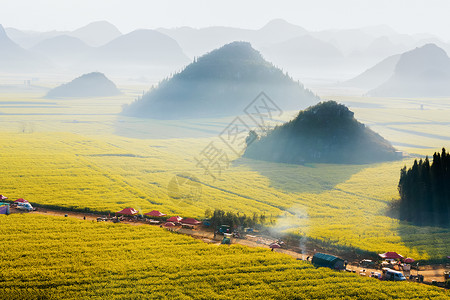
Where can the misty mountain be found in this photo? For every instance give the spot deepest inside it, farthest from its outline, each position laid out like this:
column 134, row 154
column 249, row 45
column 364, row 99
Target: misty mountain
column 379, row 30
column 220, row 83
column 62, row 49
column 276, row 31
column 324, row 133
column 376, row 75
column 97, row 33
column 94, row 84
column 346, row 40
column 198, row 41
column 139, row 48
column 27, row 39
column 302, row 51
column 422, row 72
column 14, row 58
column 381, row 47
column 94, row 34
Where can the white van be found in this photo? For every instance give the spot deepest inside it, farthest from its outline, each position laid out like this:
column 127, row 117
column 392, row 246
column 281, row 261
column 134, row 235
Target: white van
column 24, row 206
column 393, row 275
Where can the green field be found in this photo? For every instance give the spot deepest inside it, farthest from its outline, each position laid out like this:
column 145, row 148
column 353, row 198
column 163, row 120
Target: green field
column 81, row 154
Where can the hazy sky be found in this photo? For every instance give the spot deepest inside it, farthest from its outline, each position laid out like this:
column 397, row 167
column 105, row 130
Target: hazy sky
column 405, row 16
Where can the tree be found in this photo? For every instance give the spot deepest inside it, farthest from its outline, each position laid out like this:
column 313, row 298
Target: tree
column 252, row 136
column 425, row 191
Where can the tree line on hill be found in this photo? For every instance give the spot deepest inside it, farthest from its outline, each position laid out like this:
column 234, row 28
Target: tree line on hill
column 425, row 191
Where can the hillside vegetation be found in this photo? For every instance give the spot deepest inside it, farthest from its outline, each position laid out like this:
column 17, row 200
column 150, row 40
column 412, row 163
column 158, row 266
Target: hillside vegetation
column 325, row 133
column 221, row 83
column 425, row 191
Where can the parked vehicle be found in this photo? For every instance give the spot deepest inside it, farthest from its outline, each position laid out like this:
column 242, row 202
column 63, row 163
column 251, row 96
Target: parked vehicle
column 393, row 275
column 24, row 206
column 366, row 263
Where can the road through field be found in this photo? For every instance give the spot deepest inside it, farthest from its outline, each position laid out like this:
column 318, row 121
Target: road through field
column 429, row 272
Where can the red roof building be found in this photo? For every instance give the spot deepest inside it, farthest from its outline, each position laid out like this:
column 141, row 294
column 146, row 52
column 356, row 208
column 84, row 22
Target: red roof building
column 155, row 213
column 175, row 219
column 391, row 255
column 21, row 200
column 129, row 211
column 190, row 221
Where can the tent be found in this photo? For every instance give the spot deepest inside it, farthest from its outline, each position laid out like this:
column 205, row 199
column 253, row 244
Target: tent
column 169, row 224
column 274, row 245
column 4, row 210
column 21, row 200
column 155, row 213
column 175, row 219
column 390, row 255
column 3, row 197
column 129, row 211
column 330, row 261
column 190, row 221
column 409, row 260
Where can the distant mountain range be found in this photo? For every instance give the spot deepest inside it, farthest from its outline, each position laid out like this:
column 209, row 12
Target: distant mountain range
column 303, row 51
column 421, row 72
column 94, row 34
column 221, row 83
column 14, row 58
column 141, row 47
column 327, row 54
column 196, row 42
column 88, row 85
column 376, row 75
column 324, row 133
column 101, row 46
column 64, row 50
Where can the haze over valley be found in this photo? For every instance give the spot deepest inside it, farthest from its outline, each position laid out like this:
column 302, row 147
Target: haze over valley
column 224, row 150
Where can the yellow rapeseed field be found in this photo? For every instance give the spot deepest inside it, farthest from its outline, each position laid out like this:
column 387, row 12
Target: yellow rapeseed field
column 104, row 162
column 45, row 257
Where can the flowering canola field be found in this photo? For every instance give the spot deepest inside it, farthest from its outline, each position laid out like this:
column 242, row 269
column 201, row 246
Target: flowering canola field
column 45, row 257
column 344, row 204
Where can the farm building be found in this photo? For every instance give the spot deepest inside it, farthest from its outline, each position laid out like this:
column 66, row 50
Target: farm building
column 330, row 261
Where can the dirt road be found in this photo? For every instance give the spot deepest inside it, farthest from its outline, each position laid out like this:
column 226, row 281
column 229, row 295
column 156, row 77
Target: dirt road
column 429, row 272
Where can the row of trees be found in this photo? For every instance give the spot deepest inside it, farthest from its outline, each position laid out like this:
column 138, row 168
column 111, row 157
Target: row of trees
column 425, row 191
column 219, row 217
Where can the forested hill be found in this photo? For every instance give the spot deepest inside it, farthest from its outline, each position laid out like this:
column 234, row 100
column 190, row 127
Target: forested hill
column 93, row 84
column 425, row 191
column 325, row 133
column 220, row 83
